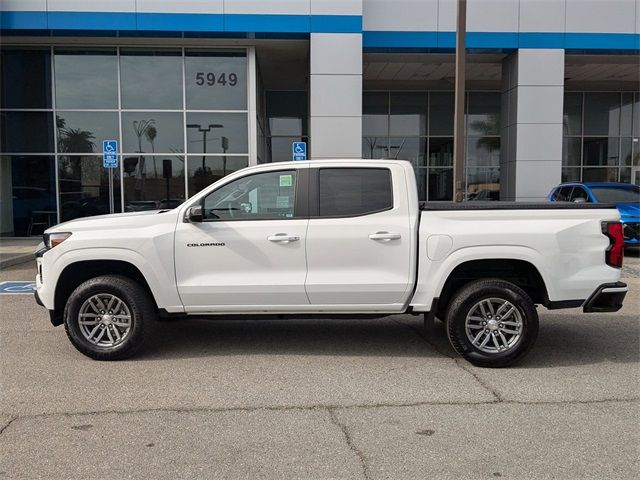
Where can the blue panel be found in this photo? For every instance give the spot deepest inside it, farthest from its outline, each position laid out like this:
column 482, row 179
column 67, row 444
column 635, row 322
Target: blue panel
column 602, row 41
column 182, row 22
column 399, row 39
column 541, row 40
column 446, row 39
column 23, row 20
column 91, row 21
column 502, row 40
column 336, row 23
column 267, row 23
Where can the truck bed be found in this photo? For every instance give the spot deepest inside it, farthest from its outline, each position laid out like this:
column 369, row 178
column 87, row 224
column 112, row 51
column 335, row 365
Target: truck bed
column 440, row 206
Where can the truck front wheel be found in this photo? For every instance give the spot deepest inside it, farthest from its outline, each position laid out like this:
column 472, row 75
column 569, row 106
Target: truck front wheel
column 492, row 323
column 109, row 317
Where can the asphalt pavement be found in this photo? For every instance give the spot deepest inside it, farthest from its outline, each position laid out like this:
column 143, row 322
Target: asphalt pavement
column 320, row 399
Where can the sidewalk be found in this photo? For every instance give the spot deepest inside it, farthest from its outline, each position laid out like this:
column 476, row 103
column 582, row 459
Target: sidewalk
column 14, row 251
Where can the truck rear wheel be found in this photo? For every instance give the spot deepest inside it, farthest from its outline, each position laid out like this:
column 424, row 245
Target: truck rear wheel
column 109, row 317
column 492, row 323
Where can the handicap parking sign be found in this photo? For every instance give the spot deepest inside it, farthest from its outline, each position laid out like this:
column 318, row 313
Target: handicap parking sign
column 299, row 151
column 110, row 154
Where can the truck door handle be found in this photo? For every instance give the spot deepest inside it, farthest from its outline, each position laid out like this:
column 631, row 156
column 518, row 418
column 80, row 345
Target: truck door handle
column 283, row 238
column 385, row 236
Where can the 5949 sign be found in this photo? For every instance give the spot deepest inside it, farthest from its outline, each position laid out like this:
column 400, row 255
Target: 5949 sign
column 211, row 79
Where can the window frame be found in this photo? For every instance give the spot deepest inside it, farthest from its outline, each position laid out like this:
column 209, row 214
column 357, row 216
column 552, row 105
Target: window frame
column 300, row 205
column 314, row 192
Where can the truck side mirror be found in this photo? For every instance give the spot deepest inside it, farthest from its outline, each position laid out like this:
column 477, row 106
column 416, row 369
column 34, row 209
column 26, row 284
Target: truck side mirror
column 194, row 214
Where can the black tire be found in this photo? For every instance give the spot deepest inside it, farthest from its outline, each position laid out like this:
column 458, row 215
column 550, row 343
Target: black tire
column 462, row 304
column 142, row 310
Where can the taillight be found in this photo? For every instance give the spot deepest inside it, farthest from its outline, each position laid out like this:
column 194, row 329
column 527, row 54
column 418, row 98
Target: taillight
column 615, row 251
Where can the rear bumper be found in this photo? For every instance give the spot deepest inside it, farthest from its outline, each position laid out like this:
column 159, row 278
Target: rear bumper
column 608, row 297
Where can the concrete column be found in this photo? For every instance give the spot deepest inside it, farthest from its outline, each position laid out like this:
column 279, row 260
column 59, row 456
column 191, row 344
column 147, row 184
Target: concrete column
column 532, row 109
column 336, row 95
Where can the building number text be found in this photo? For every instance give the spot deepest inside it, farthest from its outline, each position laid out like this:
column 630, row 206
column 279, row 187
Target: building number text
column 209, row 78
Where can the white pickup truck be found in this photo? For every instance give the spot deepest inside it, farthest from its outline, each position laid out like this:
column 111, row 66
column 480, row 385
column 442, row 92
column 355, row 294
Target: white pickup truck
column 331, row 238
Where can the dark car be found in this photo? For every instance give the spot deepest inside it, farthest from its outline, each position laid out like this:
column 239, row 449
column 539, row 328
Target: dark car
column 625, row 196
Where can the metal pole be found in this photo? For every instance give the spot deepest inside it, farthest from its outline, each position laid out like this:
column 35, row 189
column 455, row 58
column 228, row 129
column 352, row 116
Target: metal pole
column 458, row 119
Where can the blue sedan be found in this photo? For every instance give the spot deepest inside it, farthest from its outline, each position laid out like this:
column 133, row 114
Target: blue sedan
column 625, row 196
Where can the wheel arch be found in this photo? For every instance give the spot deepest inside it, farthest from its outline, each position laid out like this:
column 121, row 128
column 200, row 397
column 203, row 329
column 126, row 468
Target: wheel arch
column 520, row 272
column 82, row 270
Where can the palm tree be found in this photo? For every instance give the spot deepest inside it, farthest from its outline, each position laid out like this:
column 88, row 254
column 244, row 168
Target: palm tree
column 74, row 140
column 151, row 133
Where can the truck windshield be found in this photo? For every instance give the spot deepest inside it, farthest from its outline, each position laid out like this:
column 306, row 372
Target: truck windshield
column 629, row 194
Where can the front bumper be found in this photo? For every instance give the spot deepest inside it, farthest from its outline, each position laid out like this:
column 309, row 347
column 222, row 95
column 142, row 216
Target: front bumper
column 52, row 314
column 608, row 297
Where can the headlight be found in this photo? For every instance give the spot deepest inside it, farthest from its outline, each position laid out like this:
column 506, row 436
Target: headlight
column 54, row 239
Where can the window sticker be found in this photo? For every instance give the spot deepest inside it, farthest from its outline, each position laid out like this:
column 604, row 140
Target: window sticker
column 282, row 201
column 286, row 180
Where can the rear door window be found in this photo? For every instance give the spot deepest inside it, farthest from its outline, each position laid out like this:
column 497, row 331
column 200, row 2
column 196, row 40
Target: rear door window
column 347, row 192
column 563, row 194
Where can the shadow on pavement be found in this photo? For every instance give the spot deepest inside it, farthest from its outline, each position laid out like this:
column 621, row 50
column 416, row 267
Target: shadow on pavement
column 564, row 340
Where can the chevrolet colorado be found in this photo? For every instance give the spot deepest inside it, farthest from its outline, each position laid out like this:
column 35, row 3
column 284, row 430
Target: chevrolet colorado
column 331, row 237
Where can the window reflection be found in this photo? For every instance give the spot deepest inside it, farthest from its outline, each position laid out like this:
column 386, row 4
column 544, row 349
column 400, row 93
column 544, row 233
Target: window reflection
column 205, row 171
column 84, row 132
column 216, row 80
column 25, row 78
column 153, row 182
column 86, row 78
column 26, row 132
column 151, row 78
column 408, row 114
column 84, row 187
column 152, row 132
column 217, row 133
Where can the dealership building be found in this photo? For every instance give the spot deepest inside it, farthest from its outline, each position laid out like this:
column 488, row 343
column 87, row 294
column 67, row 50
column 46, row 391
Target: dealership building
column 191, row 90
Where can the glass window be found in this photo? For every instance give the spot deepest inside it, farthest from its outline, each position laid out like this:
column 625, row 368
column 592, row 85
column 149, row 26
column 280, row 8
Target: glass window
column 84, row 187
column 579, row 195
column 483, row 184
column 441, row 111
column 411, row 149
column 263, row 196
column 602, row 114
column 217, row 133
column 440, row 152
column 86, row 78
column 153, row 182
column 287, row 113
column 203, row 171
column 563, row 194
column 26, row 132
column 408, row 114
column 440, row 184
column 483, row 151
column 151, row 79
column 32, row 185
column 570, row 174
column 571, row 151
column 25, row 78
column 375, row 147
column 281, row 148
column 152, row 132
column 600, row 151
column 83, row 132
column 617, row 194
column 600, row 174
column 354, row 191
column 626, row 114
column 625, row 151
column 572, row 118
column 483, row 116
column 636, row 116
column 216, row 80
column 375, row 114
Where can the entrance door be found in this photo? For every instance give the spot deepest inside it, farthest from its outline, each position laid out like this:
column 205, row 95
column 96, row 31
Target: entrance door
column 359, row 249
column 248, row 254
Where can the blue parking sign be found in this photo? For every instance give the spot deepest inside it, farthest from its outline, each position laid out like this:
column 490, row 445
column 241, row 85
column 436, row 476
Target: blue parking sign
column 110, row 154
column 299, row 151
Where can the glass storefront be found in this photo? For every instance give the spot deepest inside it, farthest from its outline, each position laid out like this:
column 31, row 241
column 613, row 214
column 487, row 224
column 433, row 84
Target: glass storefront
column 180, row 117
column 601, row 140
column 418, row 126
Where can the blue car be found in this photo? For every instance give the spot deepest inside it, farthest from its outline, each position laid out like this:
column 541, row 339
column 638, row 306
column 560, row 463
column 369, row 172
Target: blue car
column 625, row 196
